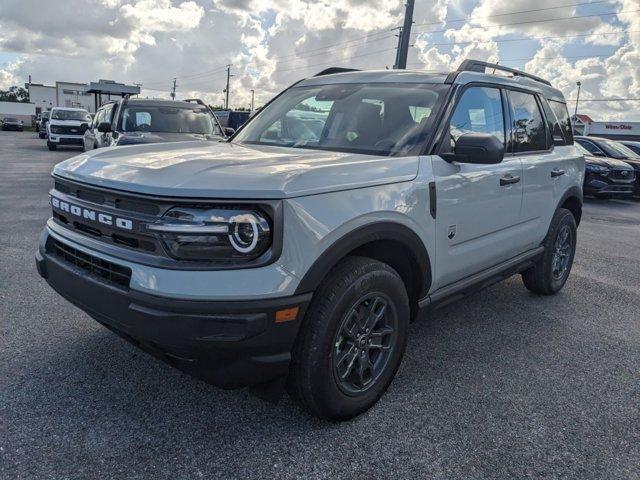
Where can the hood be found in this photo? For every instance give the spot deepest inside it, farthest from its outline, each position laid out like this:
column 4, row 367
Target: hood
column 137, row 138
column 70, row 123
column 226, row 170
column 608, row 162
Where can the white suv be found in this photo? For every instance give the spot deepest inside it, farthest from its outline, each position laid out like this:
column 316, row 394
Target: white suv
column 66, row 126
column 298, row 252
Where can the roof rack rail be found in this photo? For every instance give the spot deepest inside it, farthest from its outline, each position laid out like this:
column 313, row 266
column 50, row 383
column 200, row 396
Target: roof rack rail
column 196, row 100
column 480, row 66
column 332, row 70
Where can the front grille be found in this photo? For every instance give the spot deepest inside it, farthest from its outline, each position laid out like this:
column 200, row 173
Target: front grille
column 628, row 175
column 109, row 271
column 66, row 130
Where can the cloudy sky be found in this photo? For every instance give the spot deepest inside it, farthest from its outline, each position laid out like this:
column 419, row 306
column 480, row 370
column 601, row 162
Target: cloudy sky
column 272, row 43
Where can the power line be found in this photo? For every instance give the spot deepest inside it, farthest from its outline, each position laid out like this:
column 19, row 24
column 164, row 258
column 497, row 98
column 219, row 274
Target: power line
column 605, row 100
column 533, row 10
column 575, row 17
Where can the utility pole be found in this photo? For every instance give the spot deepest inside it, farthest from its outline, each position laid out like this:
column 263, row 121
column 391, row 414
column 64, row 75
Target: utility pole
column 404, row 37
column 226, row 90
column 577, row 98
column 173, row 91
column 253, row 93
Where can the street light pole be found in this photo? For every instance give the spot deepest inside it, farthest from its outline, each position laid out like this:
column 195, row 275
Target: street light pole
column 577, row 98
column 253, row 92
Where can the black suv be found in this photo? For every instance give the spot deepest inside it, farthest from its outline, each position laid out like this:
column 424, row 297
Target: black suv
column 605, row 148
column 606, row 177
column 138, row 121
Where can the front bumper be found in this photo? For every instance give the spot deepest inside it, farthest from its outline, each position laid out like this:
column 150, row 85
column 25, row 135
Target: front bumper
column 230, row 344
column 598, row 185
column 54, row 138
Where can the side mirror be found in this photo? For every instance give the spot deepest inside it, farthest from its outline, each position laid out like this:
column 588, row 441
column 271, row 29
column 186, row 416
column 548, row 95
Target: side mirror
column 480, row 148
column 228, row 131
column 598, row 153
column 104, row 127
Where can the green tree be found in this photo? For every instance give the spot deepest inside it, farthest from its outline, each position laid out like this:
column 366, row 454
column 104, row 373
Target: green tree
column 14, row 94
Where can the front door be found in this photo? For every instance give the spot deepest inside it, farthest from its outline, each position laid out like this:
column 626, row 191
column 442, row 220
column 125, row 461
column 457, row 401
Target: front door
column 478, row 206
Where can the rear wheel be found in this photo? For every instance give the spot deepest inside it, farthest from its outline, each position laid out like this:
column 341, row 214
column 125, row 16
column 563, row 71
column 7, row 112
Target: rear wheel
column 551, row 271
column 352, row 340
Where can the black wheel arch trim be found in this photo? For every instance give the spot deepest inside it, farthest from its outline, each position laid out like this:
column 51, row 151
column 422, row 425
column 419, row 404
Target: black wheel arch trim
column 572, row 192
column 390, row 231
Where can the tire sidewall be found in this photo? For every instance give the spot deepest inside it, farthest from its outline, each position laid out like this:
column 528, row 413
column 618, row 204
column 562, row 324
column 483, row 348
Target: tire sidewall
column 331, row 397
column 566, row 218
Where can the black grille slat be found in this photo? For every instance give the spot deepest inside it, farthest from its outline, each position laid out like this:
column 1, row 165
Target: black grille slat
column 104, row 269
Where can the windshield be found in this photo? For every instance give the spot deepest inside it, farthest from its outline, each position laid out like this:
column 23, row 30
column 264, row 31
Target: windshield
column 80, row 115
column 617, row 150
column 169, row 119
column 582, row 150
column 379, row 119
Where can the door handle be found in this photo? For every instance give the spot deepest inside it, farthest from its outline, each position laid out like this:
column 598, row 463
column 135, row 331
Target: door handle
column 509, row 179
column 556, row 172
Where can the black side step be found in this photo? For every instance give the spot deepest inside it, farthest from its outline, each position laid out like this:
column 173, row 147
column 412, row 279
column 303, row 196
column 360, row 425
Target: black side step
column 478, row 281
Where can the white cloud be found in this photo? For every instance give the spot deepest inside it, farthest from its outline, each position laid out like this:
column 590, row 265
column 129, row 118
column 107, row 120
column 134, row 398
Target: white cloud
column 272, row 43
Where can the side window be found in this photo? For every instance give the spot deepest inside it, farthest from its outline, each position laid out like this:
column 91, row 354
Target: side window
column 529, row 130
column 98, row 118
column 108, row 110
column 479, row 110
column 592, row 148
column 562, row 114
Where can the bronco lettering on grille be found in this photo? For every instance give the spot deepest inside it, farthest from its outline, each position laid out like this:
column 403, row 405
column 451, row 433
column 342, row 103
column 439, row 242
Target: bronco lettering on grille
column 92, row 215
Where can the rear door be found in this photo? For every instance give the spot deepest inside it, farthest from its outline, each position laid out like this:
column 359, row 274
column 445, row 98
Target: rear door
column 478, row 206
column 546, row 168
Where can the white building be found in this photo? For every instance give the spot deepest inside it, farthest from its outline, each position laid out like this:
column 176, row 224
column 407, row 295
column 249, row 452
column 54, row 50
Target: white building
column 42, row 96
column 74, row 95
column 77, row 95
column 585, row 125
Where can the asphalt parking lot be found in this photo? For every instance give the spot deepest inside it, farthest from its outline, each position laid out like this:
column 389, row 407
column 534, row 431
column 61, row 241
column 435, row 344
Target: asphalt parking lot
column 503, row 384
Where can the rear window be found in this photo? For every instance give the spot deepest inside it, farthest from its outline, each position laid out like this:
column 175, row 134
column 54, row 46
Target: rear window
column 562, row 117
column 530, row 134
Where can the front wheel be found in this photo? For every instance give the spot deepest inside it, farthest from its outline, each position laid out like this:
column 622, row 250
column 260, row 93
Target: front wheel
column 551, row 271
column 352, row 340
column 52, row 146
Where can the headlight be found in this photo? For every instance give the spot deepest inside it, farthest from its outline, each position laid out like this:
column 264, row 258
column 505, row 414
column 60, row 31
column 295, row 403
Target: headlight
column 221, row 234
column 596, row 168
column 54, row 128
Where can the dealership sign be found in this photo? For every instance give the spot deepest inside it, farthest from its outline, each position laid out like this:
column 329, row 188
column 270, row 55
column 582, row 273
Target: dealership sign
column 617, row 128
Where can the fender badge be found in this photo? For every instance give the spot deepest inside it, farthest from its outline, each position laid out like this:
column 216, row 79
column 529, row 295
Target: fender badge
column 451, row 232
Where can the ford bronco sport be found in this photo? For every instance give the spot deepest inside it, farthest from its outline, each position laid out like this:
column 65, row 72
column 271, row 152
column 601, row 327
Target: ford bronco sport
column 297, row 253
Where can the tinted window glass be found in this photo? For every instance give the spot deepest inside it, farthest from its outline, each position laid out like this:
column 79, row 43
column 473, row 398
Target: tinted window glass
column 98, row 118
column 616, row 150
column 591, row 147
column 562, row 115
column 479, row 110
column 529, row 130
column 378, row 119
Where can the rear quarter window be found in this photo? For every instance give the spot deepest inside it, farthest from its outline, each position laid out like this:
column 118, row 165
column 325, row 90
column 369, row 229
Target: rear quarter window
column 562, row 116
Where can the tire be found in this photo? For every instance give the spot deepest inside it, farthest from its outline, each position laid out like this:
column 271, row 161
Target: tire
column 357, row 285
column 549, row 274
column 51, row 146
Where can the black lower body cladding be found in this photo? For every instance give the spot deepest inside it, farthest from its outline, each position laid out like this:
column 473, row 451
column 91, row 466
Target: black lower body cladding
column 230, row 344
